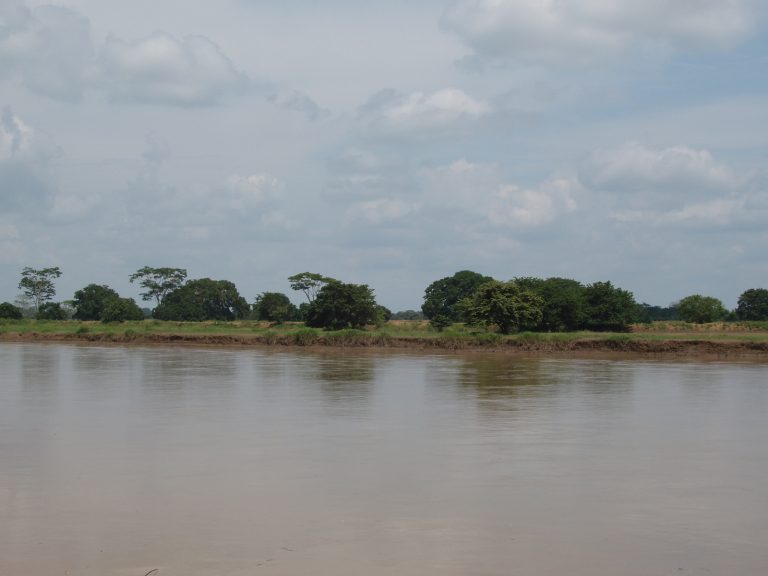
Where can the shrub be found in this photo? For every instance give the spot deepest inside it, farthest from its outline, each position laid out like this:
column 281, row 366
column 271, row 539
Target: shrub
column 8, row 310
column 121, row 309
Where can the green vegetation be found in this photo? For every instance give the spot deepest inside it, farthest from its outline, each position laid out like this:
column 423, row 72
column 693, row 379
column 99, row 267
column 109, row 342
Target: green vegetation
column 503, row 304
column 339, row 305
column 37, row 285
column 753, row 305
column 441, row 298
column 8, row 310
column 158, row 282
column 274, row 307
column 203, row 299
column 701, row 309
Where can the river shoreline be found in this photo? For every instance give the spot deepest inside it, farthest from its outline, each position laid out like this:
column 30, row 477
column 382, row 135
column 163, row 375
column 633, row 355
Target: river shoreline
column 676, row 348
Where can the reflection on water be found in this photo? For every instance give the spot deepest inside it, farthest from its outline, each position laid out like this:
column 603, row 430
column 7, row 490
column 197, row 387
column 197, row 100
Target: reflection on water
column 197, row 462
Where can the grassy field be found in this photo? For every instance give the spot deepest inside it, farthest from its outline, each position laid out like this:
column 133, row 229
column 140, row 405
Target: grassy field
column 659, row 337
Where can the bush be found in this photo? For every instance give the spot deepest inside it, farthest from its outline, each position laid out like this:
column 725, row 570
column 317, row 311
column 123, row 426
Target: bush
column 8, row 310
column 701, row 309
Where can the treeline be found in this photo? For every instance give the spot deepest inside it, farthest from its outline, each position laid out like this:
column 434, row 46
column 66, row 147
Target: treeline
column 520, row 304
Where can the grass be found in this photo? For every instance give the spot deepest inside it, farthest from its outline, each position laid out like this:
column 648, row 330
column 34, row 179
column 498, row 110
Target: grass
column 398, row 332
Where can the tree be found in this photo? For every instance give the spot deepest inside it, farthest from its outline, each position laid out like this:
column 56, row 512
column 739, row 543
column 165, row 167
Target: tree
column 90, row 302
column 158, row 282
column 37, row 285
column 647, row 313
column 339, row 305
column 274, row 307
column 120, row 310
column 310, row 283
column 753, row 305
column 504, row 304
column 8, row 310
column 609, row 308
column 203, row 299
column 701, row 309
column 442, row 296
column 564, row 302
column 51, row 311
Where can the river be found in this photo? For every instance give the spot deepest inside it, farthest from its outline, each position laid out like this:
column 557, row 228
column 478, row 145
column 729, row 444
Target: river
column 122, row 460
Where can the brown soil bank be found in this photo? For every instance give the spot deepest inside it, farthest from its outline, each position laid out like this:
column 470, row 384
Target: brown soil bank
column 619, row 345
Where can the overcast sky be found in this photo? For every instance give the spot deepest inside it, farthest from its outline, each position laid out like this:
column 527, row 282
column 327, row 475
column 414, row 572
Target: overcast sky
column 390, row 143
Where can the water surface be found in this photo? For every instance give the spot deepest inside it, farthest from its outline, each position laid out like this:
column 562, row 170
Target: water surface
column 228, row 462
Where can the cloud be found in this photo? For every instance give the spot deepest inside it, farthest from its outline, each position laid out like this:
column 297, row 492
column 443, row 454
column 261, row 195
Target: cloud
column 299, row 102
column 553, row 31
column 24, row 159
column 163, row 70
column 49, row 49
column 382, row 211
column 634, row 167
column 393, row 112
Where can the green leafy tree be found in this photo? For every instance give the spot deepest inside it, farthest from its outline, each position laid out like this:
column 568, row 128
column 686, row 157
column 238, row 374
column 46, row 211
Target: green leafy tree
column 158, row 282
column 753, row 305
column 564, row 302
column 274, row 307
column 8, row 310
column 120, row 310
column 647, row 313
column 506, row 305
column 203, row 299
column 339, row 305
column 609, row 308
column 701, row 309
column 442, row 296
column 38, row 285
column 51, row 311
column 89, row 302
column 310, row 283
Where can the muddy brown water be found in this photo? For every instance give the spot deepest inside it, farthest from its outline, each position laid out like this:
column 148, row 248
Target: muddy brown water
column 232, row 462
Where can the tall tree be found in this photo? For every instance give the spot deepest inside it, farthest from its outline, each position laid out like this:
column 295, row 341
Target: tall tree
column 609, row 308
column 310, row 283
column 37, row 285
column 158, row 282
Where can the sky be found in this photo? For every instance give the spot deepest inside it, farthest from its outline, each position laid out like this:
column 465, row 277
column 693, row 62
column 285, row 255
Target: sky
column 386, row 143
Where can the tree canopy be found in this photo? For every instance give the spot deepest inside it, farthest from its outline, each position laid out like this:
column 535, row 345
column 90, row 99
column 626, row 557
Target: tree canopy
column 158, row 282
column 609, row 308
column 310, row 283
column 274, row 307
column 753, row 305
column 203, row 299
column 37, row 285
column 442, row 296
column 8, row 310
column 506, row 305
column 701, row 309
column 339, row 305
column 120, row 310
column 89, row 302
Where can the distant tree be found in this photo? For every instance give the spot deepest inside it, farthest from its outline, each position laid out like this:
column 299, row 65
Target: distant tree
column 442, row 296
column 274, row 307
column 37, row 285
column 504, row 304
column 89, row 302
column 408, row 315
column 120, row 310
column 339, row 305
column 158, row 282
column 51, row 311
column 701, row 309
column 310, row 283
column 383, row 315
column 203, row 299
column 753, row 305
column 647, row 313
column 8, row 310
column 609, row 308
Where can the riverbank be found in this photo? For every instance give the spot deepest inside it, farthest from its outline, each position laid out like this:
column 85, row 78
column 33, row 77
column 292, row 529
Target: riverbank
column 718, row 341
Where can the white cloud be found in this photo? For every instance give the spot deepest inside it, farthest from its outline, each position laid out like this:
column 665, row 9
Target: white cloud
column 553, row 30
column 419, row 112
column 299, row 102
column 530, row 207
column 243, row 193
column 163, row 70
column 634, row 167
